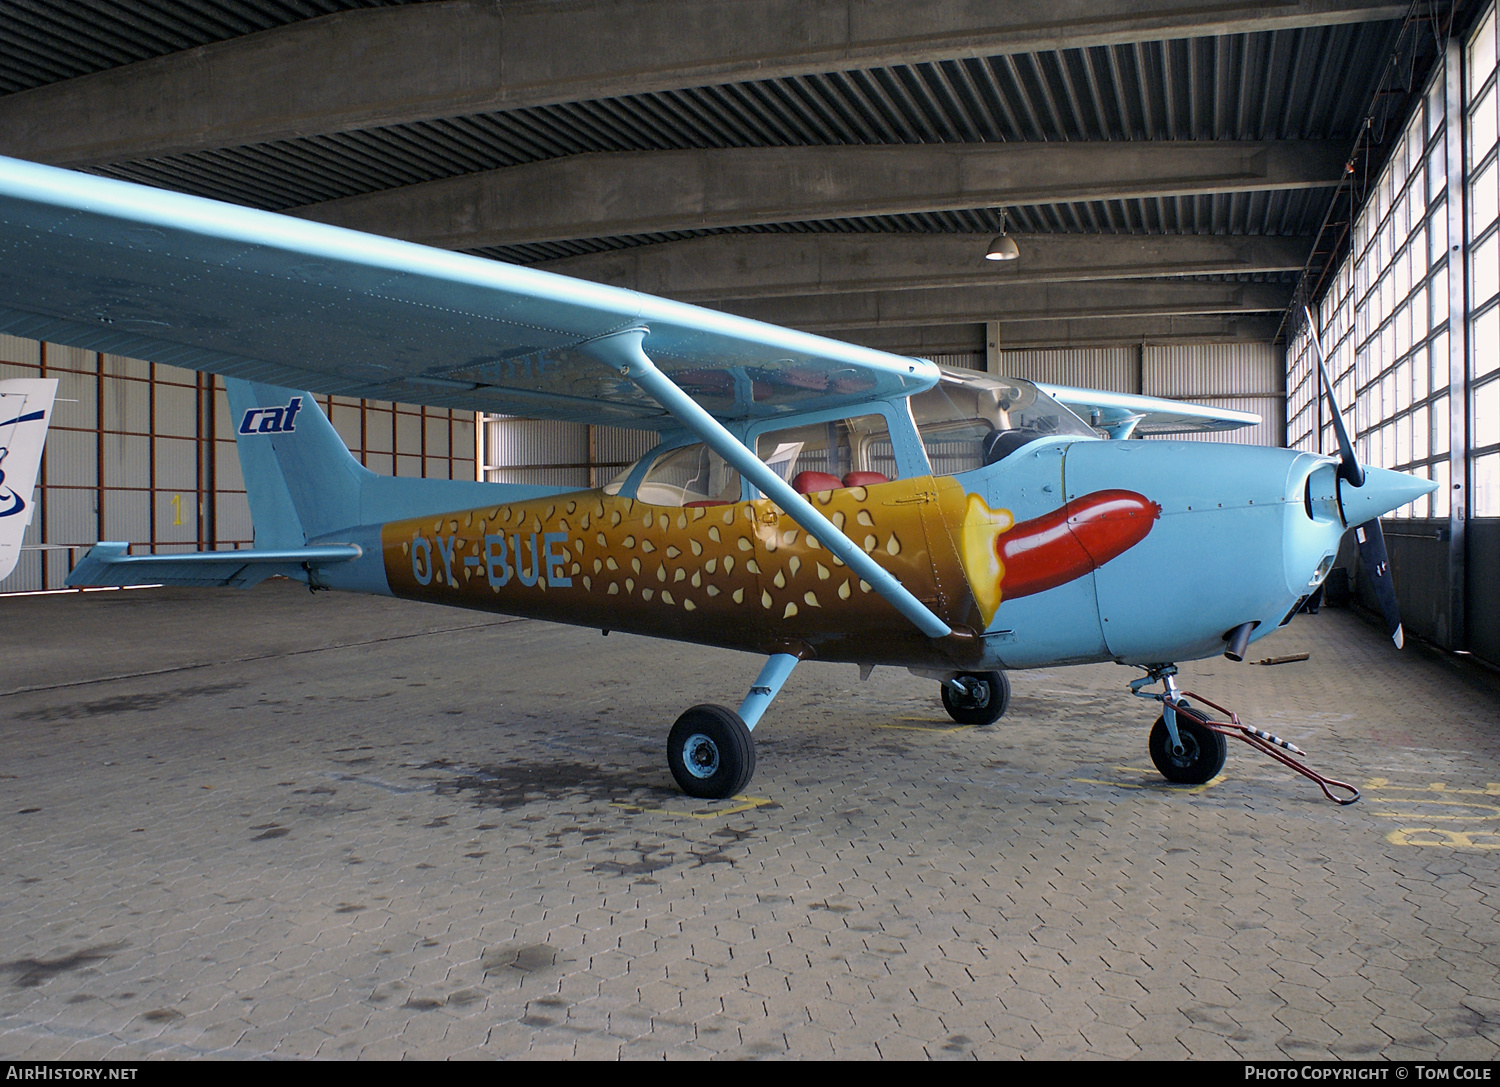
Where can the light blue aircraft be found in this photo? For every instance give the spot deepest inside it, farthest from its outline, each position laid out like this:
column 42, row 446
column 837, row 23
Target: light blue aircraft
column 808, row 499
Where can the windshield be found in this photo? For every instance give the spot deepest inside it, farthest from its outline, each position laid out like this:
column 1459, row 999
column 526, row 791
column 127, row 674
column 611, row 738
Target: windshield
column 969, row 420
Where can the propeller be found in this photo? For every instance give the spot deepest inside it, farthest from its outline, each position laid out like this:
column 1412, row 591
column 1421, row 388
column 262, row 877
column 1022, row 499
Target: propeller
column 1369, row 535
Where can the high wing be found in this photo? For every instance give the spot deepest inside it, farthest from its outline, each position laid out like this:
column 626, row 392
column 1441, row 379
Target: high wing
column 1124, row 414
column 111, row 266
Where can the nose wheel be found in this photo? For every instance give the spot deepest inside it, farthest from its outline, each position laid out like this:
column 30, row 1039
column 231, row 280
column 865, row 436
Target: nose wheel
column 1203, row 751
column 711, row 753
column 976, row 698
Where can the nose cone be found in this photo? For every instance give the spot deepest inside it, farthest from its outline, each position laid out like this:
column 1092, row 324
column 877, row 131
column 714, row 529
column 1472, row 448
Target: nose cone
column 1382, row 492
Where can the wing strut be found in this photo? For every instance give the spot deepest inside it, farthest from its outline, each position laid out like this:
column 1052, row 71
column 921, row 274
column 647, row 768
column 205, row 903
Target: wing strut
column 623, row 351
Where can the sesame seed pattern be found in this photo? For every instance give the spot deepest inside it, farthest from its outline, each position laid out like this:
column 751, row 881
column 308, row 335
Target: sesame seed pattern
column 743, row 574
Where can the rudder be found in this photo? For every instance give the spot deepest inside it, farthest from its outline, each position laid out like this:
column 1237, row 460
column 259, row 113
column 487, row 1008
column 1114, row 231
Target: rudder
column 301, row 480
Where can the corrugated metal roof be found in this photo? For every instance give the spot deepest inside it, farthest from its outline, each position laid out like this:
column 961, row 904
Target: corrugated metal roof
column 47, row 41
column 1314, row 83
column 1294, row 84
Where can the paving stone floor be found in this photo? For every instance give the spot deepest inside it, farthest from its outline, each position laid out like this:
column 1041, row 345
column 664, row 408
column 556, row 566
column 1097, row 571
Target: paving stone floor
column 267, row 824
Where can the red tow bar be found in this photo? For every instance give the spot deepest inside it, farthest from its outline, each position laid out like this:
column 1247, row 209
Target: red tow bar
column 1262, row 741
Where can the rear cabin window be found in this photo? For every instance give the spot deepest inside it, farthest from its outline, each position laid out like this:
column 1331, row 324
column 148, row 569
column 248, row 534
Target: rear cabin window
column 693, row 475
column 816, row 457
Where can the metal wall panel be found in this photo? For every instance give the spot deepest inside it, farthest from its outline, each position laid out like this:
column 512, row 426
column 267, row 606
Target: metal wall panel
column 409, row 436
column 548, row 477
column 620, row 445
column 1114, row 369
column 437, row 435
column 517, row 443
column 1232, row 369
column 127, row 460
column 346, row 420
column 71, row 358
column 380, row 433
column 72, row 516
column 26, row 353
column 77, row 397
column 71, row 458
column 127, row 516
column 1246, row 377
column 227, row 468
column 127, row 406
column 1267, row 432
column 176, row 464
column 137, row 449
column 233, row 521
column 464, row 426
column 27, row 576
column 176, row 410
column 120, row 366
column 223, row 423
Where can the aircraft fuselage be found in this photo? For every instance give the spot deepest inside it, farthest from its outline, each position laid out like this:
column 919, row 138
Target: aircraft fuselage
column 1063, row 552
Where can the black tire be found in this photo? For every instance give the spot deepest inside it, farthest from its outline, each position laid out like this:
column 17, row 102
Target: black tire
column 711, row 753
column 988, row 704
column 1203, row 755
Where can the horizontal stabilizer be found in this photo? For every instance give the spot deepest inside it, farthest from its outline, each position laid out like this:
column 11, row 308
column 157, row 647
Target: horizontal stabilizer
column 107, row 564
column 1124, row 414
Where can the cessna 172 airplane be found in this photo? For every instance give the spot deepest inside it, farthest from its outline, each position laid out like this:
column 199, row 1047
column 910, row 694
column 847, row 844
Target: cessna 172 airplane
column 808, row 499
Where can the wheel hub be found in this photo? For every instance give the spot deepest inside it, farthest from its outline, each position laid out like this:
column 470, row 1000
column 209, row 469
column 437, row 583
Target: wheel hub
column 1189, row 755
column 700, row 756
column 976, row 694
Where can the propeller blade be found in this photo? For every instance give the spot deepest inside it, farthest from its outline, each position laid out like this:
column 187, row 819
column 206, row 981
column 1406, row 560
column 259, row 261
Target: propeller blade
column 1377, row 566
column 1349, row 466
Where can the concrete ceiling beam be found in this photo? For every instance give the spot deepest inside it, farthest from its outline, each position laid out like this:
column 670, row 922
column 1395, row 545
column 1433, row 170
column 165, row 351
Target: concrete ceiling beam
column 422, row 62
column 1034, row 302
column 644, row 192
column 733, row 266
column 1080, row 332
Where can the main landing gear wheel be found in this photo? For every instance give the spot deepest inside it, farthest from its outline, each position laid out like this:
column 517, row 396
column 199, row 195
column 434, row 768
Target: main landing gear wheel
column 1203, row 754
column 986, row 702
column 711, row 753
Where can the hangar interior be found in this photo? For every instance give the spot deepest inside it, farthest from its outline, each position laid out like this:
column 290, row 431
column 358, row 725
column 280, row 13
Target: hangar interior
column 1179, row 181
column 258, row 824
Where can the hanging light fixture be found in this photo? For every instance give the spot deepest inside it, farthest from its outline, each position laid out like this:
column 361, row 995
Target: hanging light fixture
column 1002, row 247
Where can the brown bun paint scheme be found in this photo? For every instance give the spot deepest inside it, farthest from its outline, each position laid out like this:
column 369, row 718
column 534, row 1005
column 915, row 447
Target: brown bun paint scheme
column 742, row 575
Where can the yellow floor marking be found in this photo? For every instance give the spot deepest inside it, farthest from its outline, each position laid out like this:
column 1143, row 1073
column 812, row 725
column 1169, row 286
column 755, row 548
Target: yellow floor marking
column 1189, row 789
column 746, row 803
column 1492, row 811
column 1444, row 839
column 931, row 726
column 1439, row 837
column 1491, row 788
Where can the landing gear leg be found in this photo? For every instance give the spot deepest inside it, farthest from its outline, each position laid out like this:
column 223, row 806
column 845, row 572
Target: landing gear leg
column 1182, row 745
column 710, row 750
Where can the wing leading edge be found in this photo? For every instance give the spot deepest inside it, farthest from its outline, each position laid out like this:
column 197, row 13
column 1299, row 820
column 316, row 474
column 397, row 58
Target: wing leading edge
column 110, row 266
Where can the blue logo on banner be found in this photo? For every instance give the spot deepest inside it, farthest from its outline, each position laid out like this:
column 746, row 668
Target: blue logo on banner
column 272, row 420
column 17, row 503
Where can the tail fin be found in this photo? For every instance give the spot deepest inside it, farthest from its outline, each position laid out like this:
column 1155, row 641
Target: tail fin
column 25, row 409
column 301, row 479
